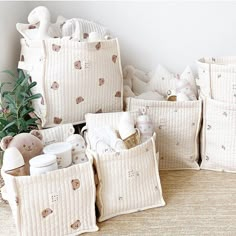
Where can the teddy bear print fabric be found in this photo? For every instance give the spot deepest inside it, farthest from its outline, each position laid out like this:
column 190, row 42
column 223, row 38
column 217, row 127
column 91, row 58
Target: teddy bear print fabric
column 66, row 195
column 75, row 79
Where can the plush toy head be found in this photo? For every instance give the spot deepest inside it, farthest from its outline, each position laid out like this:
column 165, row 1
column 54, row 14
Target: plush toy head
column 28, row 144
column 39, row 14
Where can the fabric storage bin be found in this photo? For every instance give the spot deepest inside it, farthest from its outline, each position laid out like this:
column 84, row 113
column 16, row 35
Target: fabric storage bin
column 217, row 78
column 56, row 134
column 177, row 127
column 218, row 142
column 127, row 181
column 60, row 202
column 73, row 77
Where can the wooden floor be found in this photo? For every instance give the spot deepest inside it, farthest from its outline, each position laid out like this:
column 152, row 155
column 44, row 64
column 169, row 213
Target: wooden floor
column 198, row 203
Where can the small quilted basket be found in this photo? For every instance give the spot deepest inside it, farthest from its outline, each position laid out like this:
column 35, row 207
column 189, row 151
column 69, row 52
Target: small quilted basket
column 60, row 202
column 127, row 181
column 177, row 126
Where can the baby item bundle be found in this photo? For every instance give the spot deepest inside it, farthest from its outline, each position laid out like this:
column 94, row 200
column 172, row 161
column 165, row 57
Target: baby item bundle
column 159, row 85
column 56, row 191
column 128, row 177
column 76, row 74
column 217, row 82
column 107, row 139
column 171, row 103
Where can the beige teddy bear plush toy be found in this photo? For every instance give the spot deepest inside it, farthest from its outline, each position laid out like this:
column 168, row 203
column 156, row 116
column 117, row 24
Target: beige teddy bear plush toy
column 28, row 144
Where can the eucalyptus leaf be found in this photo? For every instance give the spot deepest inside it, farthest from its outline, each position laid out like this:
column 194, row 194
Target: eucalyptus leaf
column 35, row 96
column 9, row 125
column 17, row 106
column 33, row 84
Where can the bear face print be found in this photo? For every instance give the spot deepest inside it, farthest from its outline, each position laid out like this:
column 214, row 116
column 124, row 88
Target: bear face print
column 77, row 65
column 79, row 100
column 59, row 162
column 114, row 58
column 85, row 35
column 98, row 46
column 118, row 94
column 46, row 212
column 32, row 27
column 99, row 110
column 76, row 224
column 57, row 120
column 101, row 81
column 56, row 48
column 55, row 85
column 75, row 184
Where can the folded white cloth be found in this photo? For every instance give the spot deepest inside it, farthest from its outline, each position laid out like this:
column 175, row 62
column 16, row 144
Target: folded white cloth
column 97, row 144
column 105, row 139
column 80, row 29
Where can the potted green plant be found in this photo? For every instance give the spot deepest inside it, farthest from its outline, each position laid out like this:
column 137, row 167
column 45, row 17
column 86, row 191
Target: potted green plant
column 16, row 106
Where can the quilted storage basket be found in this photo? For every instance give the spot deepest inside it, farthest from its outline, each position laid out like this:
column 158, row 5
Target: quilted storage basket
column 128, row 181
column 58, row 203
column 177, row 127
column 73, row 77
column 217, row 78
column 57, row 134
column 218, row 140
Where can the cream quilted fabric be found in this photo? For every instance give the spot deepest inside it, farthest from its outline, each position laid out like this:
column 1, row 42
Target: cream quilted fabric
column 58, row 203
column 74, row 78
column 177, row 125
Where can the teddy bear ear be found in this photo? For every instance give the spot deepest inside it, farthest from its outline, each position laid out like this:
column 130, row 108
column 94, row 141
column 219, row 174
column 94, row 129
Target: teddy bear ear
column 5, row 142
column 37, row 134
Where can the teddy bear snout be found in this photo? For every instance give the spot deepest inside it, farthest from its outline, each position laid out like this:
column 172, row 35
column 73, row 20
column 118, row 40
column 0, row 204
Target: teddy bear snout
column 29, row 148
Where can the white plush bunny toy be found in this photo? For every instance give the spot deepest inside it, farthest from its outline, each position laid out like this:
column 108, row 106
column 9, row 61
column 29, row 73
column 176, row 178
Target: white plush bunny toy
column 40, row 26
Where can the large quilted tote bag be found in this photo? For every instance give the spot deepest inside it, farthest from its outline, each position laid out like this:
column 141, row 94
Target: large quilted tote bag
column 73, row 77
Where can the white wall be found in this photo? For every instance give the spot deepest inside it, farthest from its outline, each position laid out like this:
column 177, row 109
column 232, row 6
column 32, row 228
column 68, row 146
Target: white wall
column 173, row 34
column 10, row 14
